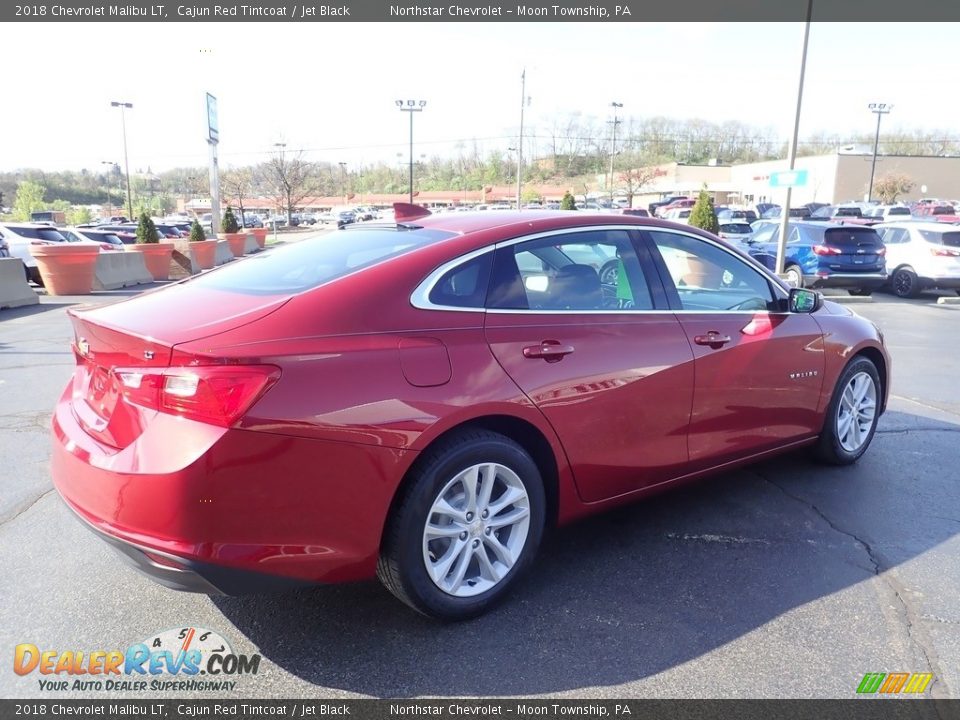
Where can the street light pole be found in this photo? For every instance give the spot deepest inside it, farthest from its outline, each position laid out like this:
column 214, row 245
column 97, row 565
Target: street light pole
column 613, row 145
column 343, row 179
column 880, row 109
column 113, row 166
column 126, row 160
column 523, row 102
column 411, row 107
column 283, row 169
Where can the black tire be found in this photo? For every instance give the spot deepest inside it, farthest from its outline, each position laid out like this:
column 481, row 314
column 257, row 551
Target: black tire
column 402, row 565
column 861, row 292
column 609, row 272
column 796, row 279
column 33, row 275
column 829, row 448
column 905, row 283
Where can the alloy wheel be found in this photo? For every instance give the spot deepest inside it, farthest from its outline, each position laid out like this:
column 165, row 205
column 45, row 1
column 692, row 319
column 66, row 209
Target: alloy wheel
column 856, row 412
column 476, row 529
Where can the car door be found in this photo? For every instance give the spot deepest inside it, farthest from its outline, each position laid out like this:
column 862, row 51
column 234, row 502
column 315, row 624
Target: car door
column 606, row 363
column 758, row 368
column 898, row 244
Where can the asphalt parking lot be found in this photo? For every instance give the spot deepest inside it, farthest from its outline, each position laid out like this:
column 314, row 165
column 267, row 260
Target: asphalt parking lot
column 785, row 579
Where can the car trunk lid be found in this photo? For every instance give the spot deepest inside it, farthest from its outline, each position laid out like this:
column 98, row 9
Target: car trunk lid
column 119, row 346
column 853, row 249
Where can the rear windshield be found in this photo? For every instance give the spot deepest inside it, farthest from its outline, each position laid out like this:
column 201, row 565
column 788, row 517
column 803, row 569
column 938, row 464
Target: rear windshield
column 39, row 234
column 304, row 265
column 951, row 238
column 741, row 228
column 847, row 236
column 849, row 212
column 898, row 211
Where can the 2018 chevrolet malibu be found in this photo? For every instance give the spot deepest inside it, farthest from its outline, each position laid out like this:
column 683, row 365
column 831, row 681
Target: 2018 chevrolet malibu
column 419, row 400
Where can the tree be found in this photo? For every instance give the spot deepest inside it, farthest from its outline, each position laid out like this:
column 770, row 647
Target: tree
column 704, row 215
column 530, row 195
column 290, row 179
column 888, row 188
column 29, row 199
column 229, row 223
column 567, row 203
column 237, row 184
column 637, row 178
column 146, row 230
column 196, row 232
column 78, row 216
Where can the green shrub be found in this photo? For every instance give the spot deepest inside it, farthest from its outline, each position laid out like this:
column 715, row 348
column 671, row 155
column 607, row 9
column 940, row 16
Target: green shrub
column 704, row 215
column 229, row 223
column 146, row 230
column 568, row 203
column 196, row 232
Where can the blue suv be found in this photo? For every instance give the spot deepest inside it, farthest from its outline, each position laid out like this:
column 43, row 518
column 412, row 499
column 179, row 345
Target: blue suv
column 825, row 255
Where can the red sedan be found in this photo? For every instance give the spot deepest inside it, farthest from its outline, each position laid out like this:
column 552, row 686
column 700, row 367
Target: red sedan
column 419, row 400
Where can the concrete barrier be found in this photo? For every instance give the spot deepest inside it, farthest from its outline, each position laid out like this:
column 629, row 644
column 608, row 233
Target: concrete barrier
column 14, row 290
column 250, row 245
column 120, row 269
column 224, row 254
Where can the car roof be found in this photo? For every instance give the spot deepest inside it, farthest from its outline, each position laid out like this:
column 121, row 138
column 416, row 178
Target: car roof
column 924, row 225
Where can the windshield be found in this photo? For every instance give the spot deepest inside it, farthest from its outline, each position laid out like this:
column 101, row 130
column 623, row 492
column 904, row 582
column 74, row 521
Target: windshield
column 39, row 234
column 304, row 265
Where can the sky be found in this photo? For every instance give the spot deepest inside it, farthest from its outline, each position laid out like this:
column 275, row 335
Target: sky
column 331, row 89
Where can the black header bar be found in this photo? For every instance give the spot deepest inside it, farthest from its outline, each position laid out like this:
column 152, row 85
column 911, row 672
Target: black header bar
column 852, row 11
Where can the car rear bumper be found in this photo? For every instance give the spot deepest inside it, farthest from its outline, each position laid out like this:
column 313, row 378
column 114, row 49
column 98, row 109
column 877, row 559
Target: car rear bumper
column 870, row 281
column 229, row 509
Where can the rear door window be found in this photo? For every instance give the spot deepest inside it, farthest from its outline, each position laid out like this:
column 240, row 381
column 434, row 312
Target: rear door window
column 950, row 238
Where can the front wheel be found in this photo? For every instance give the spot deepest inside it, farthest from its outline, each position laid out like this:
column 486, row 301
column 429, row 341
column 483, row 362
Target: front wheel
column 466, row 527
column 852, row 414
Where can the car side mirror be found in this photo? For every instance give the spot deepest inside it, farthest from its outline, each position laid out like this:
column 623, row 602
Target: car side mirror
column 804, row 301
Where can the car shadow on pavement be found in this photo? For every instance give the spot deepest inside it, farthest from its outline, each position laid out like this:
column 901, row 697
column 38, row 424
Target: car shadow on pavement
column 641, row 589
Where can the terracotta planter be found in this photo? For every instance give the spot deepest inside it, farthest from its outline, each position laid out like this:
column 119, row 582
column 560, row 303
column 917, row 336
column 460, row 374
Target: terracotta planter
column 204, row 253
column 702, row 274
column 237, row 242
column 156, row 256
column 261, row 235
column 66, row 269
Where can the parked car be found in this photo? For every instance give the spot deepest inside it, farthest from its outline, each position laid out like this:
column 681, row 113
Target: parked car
column 889, row 212
column 344, row 217
column 19, row 237
column 127, row 233
column 937, row 213
column 665, row 210
column 737, row 232
column 494, row 401
column 680, row 215
column 921, row 256
column 822, row 255
column 252, row 220
column 654, row 206
column 747, row 216
column 106, row 240
column 636, row 212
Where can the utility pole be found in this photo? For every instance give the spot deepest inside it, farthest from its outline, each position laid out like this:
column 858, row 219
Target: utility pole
column 613, row 145
column 791, row 159
column 343, row 180
column 523, row 102
column 880, row 109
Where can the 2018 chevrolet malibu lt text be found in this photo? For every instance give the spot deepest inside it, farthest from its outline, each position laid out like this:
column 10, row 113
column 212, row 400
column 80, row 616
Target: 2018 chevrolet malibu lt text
column 419, row 400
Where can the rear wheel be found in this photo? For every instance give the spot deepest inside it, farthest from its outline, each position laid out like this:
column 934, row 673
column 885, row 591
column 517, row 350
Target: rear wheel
column 466, row 527
column 794, row 276
column 852, row 414
column 905, row 283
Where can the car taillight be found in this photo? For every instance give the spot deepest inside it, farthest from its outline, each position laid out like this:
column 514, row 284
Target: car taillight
column 944, row 252
column 215, row 394
column 826, row 250
column 107, row 246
